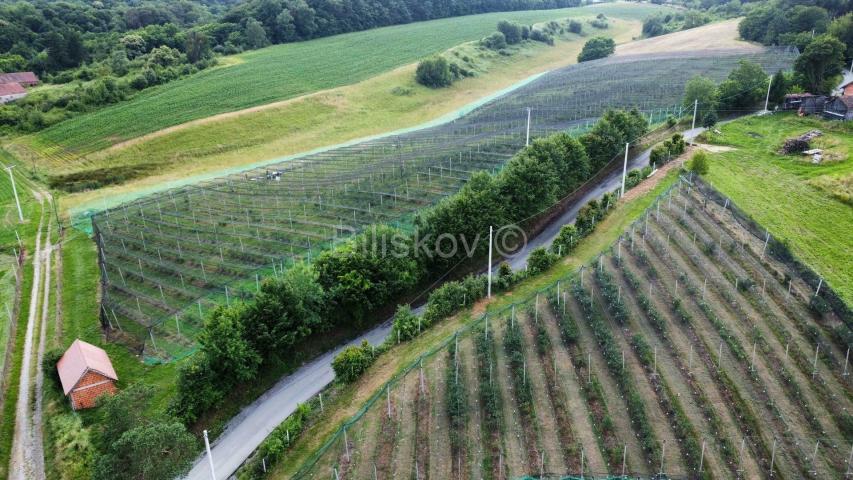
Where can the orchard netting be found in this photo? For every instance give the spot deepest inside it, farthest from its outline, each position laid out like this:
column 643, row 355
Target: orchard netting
column 170, row 257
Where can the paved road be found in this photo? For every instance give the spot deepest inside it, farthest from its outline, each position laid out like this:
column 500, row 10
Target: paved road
column 248, row 429
column 610, row 183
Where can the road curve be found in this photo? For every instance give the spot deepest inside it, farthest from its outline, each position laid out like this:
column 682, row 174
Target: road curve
column 245, row 432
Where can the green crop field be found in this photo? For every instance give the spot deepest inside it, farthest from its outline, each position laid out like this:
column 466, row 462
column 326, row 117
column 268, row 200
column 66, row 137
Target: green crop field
column 286, row 71
column 789, row 195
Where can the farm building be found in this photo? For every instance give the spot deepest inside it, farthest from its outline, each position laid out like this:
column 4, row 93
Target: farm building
column 86, row 373
column 840, row 108
column 804, row 103
column 847, row 89
column 25, row 79
column 793, row 101
column 10, row 92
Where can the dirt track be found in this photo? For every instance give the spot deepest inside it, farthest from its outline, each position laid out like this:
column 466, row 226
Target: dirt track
column 716, row 36
column 27, row 459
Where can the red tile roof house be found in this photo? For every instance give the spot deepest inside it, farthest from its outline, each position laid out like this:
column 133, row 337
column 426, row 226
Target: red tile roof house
column 86, row 373
column 847, row 89
column 26, row 79
column 10, row 92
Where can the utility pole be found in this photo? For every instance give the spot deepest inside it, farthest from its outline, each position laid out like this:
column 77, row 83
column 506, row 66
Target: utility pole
column 695, row 108
column 15, row 191
column 527, row 140
column 767, row 98
column 624, row 170
column 209, row 456
column 489, row 292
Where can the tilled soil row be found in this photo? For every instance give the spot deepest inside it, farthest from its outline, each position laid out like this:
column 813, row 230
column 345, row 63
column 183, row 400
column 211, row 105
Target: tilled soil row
column 571, row 397
column 548, row 358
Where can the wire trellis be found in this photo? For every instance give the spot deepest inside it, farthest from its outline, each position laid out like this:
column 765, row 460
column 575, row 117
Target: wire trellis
column 168, row 258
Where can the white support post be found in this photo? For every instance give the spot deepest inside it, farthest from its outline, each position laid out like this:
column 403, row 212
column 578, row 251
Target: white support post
column 209, row 456
column 773, row 457
column 702, row 457
column 15, row 192
column 767, row 98
column 527, row 139
column 624, row 170
column 489, row 288
column 695, row 108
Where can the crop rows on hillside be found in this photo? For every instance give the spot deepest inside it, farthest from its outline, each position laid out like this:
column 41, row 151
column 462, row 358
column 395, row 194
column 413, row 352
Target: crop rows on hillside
column 681, row 350
column 168, row 258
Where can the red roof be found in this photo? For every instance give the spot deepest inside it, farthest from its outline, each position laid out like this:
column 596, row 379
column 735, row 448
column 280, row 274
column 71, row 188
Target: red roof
column 11, row 88
column 80, row 358
column 19, row 77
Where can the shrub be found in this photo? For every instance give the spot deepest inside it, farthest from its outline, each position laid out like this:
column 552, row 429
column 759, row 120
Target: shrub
column 505, row 276
column 353, row 361
column 540, row 260
column 434, row 72
column 450, row 297
column 699, row 163
column 670, row 121
column 566, row 240
column 73, row 452
column 575, row 27
column 710, row 119
column 595, row 48
column 599, row 23
column 197, row 389
column 51, row 358
column 511, row 30
column 495, row 41
column 540, row 36
column 406, row 324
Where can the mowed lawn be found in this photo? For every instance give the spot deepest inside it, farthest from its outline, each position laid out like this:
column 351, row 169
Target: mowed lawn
column 286, row 71
column 797, row 201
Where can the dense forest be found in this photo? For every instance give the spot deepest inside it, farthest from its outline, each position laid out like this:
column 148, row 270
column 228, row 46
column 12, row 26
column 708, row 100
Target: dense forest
column 48, row 36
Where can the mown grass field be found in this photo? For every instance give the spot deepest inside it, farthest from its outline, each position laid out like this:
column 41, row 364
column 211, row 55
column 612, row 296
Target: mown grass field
column 547, row 382
column 797, row 201
column 286, row 71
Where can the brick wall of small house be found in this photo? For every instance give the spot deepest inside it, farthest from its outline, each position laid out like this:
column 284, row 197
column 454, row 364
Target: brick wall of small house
column 87, row 397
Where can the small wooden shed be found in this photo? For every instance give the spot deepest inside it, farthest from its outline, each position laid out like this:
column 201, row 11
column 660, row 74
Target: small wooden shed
column 86, row 373
column 840, row 108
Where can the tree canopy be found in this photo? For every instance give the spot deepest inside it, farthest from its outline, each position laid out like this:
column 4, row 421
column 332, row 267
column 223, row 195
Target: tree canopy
column 595, row 48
